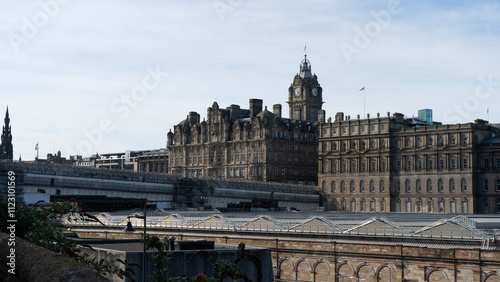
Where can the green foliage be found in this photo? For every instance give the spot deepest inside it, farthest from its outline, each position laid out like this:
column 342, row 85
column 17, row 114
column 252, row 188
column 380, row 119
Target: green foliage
column 38, row 225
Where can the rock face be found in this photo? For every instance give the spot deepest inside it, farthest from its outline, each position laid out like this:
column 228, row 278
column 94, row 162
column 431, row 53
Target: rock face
column 34, row 263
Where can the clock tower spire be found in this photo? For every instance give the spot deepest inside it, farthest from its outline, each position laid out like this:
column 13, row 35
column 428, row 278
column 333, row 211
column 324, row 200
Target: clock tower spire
column 305, row 95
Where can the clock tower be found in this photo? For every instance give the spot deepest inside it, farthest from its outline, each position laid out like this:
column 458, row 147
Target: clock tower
column 305, row 95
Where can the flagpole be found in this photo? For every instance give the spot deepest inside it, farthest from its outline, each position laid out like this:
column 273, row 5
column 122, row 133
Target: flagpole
column 364, row 101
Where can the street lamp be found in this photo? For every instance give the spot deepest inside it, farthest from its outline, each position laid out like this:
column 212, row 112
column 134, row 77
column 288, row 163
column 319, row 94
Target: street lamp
column 129, row 229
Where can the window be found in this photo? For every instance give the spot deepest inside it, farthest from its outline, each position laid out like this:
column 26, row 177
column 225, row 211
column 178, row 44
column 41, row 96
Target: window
column 452, row 165
column 362, row 205
column 342, row 186
column 323, row 186
column 382, row 186
column 419, row 206
column 363, row 166
column 351, row 186
column 429, row 206
column 363, row 145
column 408, row 143
column 333, row 187
column 497, row 163
column 486, row 208
column 429, row 141
column 419, row 186
column 441, row 141
column 429, row 185
column 342, row 205
column 464, row 163
column 372, row 144
column 383, row 166
column 486, row 163
column 372, row 205
column 464, row 206
column 431, row 165
column 383, row 144
column 452, row 207
column 353, row 205
column 398, row 186
column 485, row 185
column 361, row 186
column 419, row 165
column 382, row 205
column 419, row 142
column 441, row 206
column 452, row 185
column 408, row 206
column 398, row 206
column 407, row 185
column 353, row 166
column 440, row 185
column 372, row 168
column 498, row 208
column 441, row 164
column 372, row 186
column 463, row 185
column 497, row 184
column 452, row 141
column 464, row 140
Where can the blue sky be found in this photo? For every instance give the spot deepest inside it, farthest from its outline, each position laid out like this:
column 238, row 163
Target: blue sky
column 108, row 76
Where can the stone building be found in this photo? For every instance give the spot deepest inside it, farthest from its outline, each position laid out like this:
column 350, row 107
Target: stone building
column 153, row 161
column 404, row 165
column 254, row 143
column 6, row 149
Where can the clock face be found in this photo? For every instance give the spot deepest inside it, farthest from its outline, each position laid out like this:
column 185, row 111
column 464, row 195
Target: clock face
column 315, row 92
column 297, row 91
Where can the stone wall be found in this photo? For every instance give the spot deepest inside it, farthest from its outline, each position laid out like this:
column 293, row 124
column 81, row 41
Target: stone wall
column 34, row 263
column 314, row 258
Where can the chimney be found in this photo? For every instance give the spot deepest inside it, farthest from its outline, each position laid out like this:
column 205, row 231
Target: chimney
column 234, row 111
column 321, row 116
column 194, row 118
column 255, row 107
column 277, row 110
column 339, row 116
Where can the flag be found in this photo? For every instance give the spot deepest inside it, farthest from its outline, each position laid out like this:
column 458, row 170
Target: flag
column 362, row 89
column 36, row 146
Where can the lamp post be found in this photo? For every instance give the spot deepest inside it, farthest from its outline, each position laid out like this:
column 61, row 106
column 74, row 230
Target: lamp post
column 129, row 229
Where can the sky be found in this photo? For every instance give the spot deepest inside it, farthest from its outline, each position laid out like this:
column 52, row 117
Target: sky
column 87, row 77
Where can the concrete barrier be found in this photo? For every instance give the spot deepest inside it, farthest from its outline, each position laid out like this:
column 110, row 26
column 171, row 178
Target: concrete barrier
column 34, row 263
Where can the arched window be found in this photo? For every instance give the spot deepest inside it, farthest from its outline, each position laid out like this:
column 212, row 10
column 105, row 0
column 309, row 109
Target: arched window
column 464, row 140
column 382, row 186
column 372, row 186
column 333, row 187
column 485, row 185
column 334, row 146
column 323, row 186
column 372, row 144
column 353, row 205
column 407, row 185
column 440, row 185
column 463, row 185
column 342, row 186
column 351, row 186
column 408, row 143
column 429, row 185
column 452, row 140
column 398, row 186
column 452, row 185
column 361, row 186
column 419, row 186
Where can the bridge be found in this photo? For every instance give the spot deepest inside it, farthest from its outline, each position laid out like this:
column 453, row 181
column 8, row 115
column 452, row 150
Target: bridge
column 102, row 189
